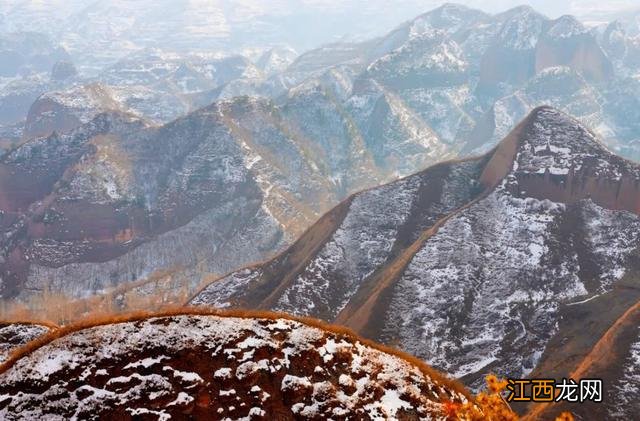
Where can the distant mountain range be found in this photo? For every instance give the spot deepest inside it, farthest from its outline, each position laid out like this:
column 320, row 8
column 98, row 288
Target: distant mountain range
column 463, row 188
column 246, row 171
column 451, row 82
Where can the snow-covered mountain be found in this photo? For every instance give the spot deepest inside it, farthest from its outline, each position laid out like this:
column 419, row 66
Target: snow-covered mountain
column 560, row 87
column 104, row 196
column 470, row 76
column 353, row 172
column 471, row 264
column 357, row 113
column 153, row 84
column 451, row 68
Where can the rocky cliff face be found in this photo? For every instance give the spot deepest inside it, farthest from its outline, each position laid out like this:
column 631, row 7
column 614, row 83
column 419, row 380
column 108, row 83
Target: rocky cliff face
column 208, row 366
column 113, row 184
column 528, row 43
column 560, row 87
column 568, row 43
column 470, row 77
column 469, row 264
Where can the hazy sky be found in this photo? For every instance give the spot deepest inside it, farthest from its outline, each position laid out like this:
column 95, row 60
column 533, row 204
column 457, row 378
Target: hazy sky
column 587, row 9
column 303, row 24
column 552, row 8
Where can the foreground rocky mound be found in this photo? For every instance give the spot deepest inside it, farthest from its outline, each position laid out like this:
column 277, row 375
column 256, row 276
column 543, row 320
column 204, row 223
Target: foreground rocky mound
column 213, row 367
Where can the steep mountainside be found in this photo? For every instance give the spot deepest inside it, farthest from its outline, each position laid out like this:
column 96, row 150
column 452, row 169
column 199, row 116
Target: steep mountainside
column 107, row 202
column 453, row 68
column 66, row 110
column 453, row 80
column 216, row 366
column 276, row 59
column 560, row 87
column 115, row 184
column 614, row 358
column 469, row 264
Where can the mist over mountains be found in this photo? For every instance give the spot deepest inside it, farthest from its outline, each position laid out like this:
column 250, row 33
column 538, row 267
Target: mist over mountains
column 463, row 185
column 97, row 32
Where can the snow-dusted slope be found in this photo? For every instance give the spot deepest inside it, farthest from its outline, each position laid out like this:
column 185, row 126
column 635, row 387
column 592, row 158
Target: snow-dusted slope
column 215, row 176
column 63, row 111
column 453, row 65
column 446, row 69
column 560, row 87
column 364, row 235
column 276, row 59
column 399, row 139
column 483, row 292
column 625, row 388
column 232, row 182
column 468, row 264
column 218, row 367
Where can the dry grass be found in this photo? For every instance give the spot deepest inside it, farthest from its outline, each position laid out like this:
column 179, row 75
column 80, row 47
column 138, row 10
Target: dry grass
column 51, row 308
column 488, row 405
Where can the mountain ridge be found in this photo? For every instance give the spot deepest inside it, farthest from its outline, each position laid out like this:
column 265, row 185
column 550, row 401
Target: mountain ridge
column 503, row 230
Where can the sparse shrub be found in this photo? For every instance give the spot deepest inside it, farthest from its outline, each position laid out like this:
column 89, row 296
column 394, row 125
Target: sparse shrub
column 489, row 405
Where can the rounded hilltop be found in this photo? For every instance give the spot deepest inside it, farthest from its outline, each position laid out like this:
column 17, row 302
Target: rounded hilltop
column 215, row 365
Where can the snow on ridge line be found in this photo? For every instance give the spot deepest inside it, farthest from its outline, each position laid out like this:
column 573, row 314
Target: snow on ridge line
column 558, row 143
column 172, row 364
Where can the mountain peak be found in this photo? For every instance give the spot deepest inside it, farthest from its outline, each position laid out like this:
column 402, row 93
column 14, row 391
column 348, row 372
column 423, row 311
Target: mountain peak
column 522, row 28
column 566, row 26
column 550, row 142
column 519, row 11
column 555, row 142
column 450, row 17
